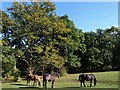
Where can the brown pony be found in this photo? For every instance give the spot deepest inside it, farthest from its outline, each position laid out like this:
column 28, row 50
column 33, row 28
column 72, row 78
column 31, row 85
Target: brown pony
column 34, row 77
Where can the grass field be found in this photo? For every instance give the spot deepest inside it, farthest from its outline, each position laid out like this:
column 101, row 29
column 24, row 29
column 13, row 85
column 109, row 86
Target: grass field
column 70, row 82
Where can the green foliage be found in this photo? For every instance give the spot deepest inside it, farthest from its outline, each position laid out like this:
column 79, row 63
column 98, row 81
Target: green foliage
column 116, row 50
column 100, row 47
column 8, row 60
column 15, row 74
column 1, row 78
column 34, row 36
column 38, row 34
column 76, row 44
column 12, row 76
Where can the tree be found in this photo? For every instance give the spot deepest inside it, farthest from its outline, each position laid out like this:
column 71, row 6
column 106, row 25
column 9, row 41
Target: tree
column 115, row 32
column 8, row 55
column 37, row 34
column 75, row 48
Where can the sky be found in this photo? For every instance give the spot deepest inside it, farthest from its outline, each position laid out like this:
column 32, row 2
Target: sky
column 87, row 16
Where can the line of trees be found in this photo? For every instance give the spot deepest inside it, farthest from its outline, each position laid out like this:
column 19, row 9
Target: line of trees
column 35, row 38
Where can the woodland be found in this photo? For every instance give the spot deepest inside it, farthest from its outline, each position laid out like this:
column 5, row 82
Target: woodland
column 36, row 39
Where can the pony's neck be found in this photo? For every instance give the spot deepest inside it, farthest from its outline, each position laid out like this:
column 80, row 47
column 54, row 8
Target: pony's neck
column 56, row 74
column 30, row 72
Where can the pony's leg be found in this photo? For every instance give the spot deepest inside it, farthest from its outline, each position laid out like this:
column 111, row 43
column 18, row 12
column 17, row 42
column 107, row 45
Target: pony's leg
column 90, row 83
column 28, row 82
column 35, row 83
column 45, row 84
column 95, row 82
column 39, row 83
column 81, row 83
column 52, row 83
column 84, row 83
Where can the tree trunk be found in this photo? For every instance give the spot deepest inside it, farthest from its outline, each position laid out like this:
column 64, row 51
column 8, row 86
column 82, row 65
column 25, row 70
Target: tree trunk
column 30, row 70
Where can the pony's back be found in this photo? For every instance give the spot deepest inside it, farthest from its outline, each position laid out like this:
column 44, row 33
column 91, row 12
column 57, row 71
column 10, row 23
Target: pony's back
column 92, row 76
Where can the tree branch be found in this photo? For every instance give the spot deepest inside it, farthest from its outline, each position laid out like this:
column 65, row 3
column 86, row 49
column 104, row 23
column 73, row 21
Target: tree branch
column 26, row 62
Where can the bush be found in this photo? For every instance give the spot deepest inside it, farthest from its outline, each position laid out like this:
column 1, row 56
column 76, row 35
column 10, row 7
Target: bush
column 1, row 78
column 12, row 76
column 16, row 74
column 63, row 71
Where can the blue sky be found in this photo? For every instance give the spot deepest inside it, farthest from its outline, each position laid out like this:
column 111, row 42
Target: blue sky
column 87, row 16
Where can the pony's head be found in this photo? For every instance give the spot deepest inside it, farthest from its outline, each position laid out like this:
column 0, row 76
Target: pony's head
column 57, row 74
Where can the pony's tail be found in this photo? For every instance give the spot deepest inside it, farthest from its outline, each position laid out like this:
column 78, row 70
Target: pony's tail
column 95, row 81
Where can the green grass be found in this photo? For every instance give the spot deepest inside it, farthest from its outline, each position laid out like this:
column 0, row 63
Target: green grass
column 104, row 80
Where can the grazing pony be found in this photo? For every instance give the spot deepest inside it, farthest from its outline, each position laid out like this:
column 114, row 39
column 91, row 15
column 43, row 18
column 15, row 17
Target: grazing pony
column 87, row 77
column 49, row 77
column 34, row 77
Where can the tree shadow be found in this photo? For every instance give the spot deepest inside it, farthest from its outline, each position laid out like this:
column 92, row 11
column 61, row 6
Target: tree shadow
column 19, row 84
column 88, row 88
column 79, row 87
column 30, row 87
column 24, row 86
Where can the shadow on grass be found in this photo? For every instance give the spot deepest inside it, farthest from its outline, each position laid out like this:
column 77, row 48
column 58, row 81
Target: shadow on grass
column 87, row 88
column 67, row 88
column 30, row 87
column 19, row 84
column 26, row 87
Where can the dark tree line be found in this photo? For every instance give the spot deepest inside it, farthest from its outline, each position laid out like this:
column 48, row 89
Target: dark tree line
column 35, row 38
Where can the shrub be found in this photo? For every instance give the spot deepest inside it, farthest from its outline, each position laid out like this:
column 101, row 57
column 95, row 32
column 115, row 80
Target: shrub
column 1, row 78
column 12, row 76
column 16, row 74
column 63, row 71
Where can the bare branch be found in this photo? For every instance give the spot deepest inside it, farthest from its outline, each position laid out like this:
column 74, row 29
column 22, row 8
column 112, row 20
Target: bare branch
column 26, row 62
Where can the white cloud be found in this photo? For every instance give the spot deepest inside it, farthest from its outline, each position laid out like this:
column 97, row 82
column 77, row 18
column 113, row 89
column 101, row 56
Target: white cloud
column 110, row 27
column 116, row 26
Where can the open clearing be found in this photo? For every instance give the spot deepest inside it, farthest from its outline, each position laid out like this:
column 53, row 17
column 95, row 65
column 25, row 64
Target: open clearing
column 104, row 80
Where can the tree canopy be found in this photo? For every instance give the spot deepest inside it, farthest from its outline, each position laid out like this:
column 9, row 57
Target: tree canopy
column 35, row 38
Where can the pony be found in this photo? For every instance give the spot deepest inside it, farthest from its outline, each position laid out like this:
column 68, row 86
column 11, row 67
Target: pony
column 49, row 77
column 35, row 78
column 87, row 77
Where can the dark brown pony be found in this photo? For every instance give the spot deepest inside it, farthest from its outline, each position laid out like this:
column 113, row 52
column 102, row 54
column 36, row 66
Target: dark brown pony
column 87, row 77
column 35, row 78
column 49, row 77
